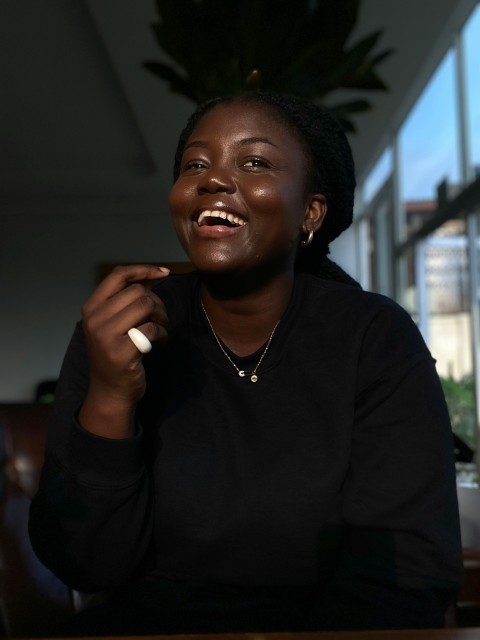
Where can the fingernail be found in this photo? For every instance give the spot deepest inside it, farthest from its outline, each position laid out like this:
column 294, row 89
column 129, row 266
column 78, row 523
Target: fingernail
column 164, row 269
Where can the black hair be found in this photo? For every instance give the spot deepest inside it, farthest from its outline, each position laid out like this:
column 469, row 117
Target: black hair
column 331, row 169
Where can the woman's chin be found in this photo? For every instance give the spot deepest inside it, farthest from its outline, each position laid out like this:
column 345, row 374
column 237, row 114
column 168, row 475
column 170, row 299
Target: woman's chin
column 215, row 263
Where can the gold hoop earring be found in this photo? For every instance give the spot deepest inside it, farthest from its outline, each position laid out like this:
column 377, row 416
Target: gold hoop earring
column 306, row 243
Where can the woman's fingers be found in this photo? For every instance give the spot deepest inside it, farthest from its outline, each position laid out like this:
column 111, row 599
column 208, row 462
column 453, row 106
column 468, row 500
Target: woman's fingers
column 121, row 277
column 132, row 307
column 123, row 301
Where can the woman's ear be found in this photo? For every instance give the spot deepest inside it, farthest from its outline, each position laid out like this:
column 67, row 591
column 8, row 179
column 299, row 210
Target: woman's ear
column 315, row 214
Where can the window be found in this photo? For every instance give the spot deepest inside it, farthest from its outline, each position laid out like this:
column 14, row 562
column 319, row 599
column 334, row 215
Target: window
column 448, row 321
column 429, row 152
column 378, row 175
column 435, row 272
column 472, row 71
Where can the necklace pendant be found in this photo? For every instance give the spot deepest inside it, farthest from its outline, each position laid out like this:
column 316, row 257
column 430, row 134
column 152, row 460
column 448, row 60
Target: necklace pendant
column 248, row 374
column 243, row 374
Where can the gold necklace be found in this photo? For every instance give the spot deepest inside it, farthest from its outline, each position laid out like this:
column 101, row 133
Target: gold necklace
column 253, row 374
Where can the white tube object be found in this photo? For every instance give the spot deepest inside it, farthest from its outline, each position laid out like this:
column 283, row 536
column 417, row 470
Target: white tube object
column 141, row 341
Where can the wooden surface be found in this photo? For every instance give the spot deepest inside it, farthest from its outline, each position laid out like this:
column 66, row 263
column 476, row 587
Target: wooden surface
column 409, row 634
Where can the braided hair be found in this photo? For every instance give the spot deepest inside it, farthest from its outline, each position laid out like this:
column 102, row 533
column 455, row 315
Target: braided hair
column 331, row 169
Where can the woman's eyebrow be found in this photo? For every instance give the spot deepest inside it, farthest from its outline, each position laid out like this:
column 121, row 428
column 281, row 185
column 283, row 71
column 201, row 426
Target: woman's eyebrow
column 203, row 144
column 196, row 143
column 255, row 139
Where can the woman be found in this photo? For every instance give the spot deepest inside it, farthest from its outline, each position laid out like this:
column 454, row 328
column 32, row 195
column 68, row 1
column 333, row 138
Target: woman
column 284, row 460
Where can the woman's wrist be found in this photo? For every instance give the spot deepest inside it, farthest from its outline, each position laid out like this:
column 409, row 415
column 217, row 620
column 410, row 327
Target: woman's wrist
column 107, row 415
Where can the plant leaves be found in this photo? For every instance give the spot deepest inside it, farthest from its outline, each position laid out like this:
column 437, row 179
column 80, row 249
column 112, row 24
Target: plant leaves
column 297, row 47
column 176, row 82
column 352, row 106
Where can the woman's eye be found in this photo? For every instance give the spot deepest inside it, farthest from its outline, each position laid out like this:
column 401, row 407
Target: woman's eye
column 255, row 163
column 193, row 164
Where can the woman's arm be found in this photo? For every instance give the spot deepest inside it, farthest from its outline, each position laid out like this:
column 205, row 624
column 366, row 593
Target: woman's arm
column 91, row 520
column 402, row 560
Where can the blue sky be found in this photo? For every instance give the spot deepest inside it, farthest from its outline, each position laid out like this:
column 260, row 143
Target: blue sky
column 473, row 79
column 428, row 146
column 428, row 139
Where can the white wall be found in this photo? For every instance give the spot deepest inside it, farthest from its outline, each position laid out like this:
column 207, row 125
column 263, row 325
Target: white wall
column 47, row 269
column 78, row 171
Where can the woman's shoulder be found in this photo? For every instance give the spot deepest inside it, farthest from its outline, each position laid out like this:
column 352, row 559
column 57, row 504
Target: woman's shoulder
column 371, row 328
column 359, row 312
column 347, row 295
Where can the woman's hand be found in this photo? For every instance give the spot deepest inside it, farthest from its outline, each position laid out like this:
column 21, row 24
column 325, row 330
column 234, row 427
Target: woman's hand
column 117, row 377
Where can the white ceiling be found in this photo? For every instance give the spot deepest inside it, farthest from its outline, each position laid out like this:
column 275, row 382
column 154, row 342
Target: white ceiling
column 80, row 118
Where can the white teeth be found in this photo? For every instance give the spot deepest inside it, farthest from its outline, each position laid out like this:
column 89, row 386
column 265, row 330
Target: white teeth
column 220, row 214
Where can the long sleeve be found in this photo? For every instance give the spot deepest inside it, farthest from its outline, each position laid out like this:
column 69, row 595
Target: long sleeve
column 402, row 560
column 334, row 473
column 90, row 521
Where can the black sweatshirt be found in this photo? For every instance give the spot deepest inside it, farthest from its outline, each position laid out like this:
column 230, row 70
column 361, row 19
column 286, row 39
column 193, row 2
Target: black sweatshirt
column 331, row 478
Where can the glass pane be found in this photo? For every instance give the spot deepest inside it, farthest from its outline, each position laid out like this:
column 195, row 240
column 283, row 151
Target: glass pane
column 476, row 329
column 429, row 153
column 406, row 268
column 372, row 253
column 382, row 215
column 449, row 330
column 378, row 175
column 379, row 240
column 472, row 63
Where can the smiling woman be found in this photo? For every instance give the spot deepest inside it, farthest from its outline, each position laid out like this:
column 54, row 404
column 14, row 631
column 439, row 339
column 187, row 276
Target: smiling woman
column 230, row 168
column 320, row 497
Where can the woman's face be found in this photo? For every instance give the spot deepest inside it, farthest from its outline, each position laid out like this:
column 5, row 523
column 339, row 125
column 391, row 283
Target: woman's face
column 240, row 200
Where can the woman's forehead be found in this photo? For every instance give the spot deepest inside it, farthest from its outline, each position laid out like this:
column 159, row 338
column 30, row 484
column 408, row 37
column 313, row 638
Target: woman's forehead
column 244, row 118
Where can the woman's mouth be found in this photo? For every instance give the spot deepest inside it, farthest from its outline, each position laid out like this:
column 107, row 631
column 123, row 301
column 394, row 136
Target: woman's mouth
column 222, row 218
column 218, row 224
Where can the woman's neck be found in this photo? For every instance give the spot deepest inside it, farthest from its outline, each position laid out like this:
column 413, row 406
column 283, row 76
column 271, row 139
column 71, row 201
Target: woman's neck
column 244, row 318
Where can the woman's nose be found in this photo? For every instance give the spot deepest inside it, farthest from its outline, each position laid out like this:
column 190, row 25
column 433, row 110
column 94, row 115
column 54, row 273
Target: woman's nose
column 214, row 180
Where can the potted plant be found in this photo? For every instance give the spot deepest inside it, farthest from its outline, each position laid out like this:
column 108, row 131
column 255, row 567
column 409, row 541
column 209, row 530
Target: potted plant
column 225, row 47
